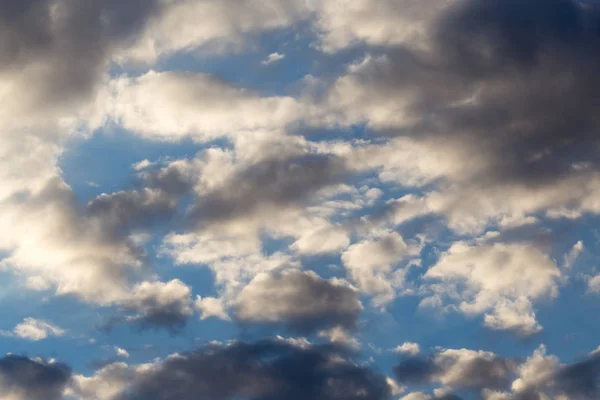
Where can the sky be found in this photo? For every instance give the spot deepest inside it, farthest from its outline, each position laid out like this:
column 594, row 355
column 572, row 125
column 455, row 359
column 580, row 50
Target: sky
column 299, row 199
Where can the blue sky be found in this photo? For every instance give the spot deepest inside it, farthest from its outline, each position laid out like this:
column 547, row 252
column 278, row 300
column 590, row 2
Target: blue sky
column 331, row 199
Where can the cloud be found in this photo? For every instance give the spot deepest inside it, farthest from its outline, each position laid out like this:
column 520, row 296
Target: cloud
column 343, row 23
column 517, row 316
column 172, row 105
column 372, row 264
column 226, row 25
column 594, row 284
column 35, row 330
column 498, row 277
column 160, row 305
column 408, row 348
column 121, row 352
column 538, row 377
column 456, row 369
column 302, row 301
column 478, row 100
column 266, row 369
column 573, row 254
column 272, row 58
column 23, row 378
column 211, row 307
column 106, row 384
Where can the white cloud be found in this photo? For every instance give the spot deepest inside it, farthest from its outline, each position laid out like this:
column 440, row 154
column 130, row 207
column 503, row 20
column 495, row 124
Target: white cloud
column 121, row 352
column 272, row 58
column 573, row 254
column 106, row 384
column 517, row 316
column 226, row 25
column 417, row 396
column 536, row 370
column 343, row 23
column 409, row 348
column 35, row 330
column 373, row 264
column 211, row 307
column 499, row 277
column 171, row 105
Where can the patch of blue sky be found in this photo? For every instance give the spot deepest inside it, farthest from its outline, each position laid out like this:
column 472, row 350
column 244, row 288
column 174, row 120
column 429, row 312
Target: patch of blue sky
column 103, row 163
column 245, row 66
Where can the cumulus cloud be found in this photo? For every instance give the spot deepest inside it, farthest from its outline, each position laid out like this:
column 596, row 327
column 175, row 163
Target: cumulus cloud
column 300, row 300
column 472, row 93
column 499, row 279
column 160, row 305
column 408, row 348
column 457, row 368
column 372, row 264
column 23, row 378
column 266, row 369
column 121, row 352
column 479, row 115
column 272, row 58
column 492, row 377
column 34, row 329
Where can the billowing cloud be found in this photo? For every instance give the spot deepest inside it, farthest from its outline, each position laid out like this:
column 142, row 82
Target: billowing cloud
column 262, row 370
column 23, row 378
column 493, row 377
column 373, row 263
column 408, row 348
column 300, row 300
column 158, row 305
column 460, row 368
column 471, row 92
column 498, row 279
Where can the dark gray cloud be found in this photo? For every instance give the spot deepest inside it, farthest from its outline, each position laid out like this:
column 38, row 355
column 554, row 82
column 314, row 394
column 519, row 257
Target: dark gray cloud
column 266, row 370
column 30, row 379
column 580, row 380
column 302, row 301
column 268, row 185
column 123, row 211
column 510, row 81
column 70, row 40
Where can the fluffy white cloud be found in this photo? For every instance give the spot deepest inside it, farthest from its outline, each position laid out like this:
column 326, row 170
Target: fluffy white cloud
column 171, row 105
column 409, row 348
column 375, row 264
column 35, row 329
column 272, row 58
column 513, row 315
column 121, row 352
column 211, row 307
column 498, row 277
